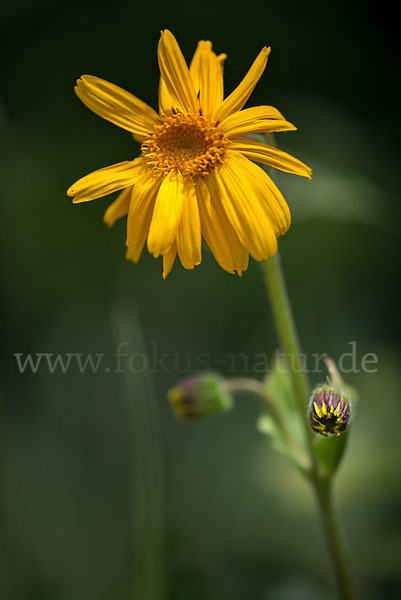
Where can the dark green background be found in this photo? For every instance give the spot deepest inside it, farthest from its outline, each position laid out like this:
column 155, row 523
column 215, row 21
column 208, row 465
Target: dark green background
column 80, row 454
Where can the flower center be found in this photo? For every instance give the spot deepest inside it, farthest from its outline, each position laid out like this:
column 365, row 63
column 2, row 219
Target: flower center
column 189, row 143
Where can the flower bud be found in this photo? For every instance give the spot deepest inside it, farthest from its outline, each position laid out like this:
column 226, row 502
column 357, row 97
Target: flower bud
column 200, row 396
column 330, row 410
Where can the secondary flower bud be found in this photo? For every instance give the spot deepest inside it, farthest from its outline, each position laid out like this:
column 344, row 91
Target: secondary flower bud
column 199, row 396
column 330, row 410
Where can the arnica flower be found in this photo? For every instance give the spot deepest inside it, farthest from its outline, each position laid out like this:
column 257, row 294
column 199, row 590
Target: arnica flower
column 330, row 410
column 196, row 175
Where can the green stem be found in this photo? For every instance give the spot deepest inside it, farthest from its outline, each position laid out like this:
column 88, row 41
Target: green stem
column 335, row 539
column 246, row 384
column 289, row 343
column 287, row 333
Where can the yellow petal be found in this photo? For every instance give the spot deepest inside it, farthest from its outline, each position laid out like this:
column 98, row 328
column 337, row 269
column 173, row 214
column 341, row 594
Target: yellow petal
column 268, row 194
column 206, row 70
column 189, row 230
column 236, row 100
column 210, row 82
column 220, row 79
column 140, row 137
column 195, row 62
column 166, row 214
column 132, row 255
column 253, row 113
column 168, row 260
column 165, row 101
column 230, row 187
column 261, row 126
column 108, row 180
column 140, row 214
column 219, row 234
column 258, row 119
column 116, row 105
column 175, row 73
column 281, row 204
column 119, row 208
column 268, row 155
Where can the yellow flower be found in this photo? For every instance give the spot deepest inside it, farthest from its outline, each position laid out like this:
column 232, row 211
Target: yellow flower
column 195, row 176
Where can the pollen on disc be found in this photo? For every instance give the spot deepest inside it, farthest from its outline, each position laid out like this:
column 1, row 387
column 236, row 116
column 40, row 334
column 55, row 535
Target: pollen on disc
column 189, row 143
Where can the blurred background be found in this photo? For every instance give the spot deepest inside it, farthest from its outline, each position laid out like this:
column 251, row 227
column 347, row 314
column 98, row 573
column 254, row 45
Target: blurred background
column 103, row 494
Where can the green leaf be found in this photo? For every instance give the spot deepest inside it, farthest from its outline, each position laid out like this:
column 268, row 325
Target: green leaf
column 280, row 420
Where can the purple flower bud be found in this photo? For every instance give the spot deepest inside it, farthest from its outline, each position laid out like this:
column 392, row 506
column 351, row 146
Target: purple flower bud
column 330, row 410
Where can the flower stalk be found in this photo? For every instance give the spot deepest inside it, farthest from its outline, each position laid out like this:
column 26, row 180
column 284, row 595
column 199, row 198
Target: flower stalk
column 321, row 484
column 335, row 538
column 287, row 333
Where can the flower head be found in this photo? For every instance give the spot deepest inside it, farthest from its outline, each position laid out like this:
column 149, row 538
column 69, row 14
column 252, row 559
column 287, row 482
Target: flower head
column 200, row 396
column 195, row 177
column 330, row 410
